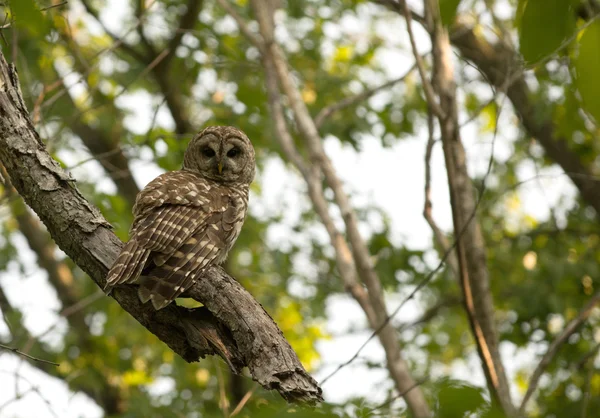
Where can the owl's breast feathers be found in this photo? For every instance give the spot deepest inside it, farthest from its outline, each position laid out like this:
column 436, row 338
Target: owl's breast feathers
column 183, row 223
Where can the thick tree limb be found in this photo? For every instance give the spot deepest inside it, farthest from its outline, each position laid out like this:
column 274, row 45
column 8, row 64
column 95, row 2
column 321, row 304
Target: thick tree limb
column 109, row 397
column 246, row 334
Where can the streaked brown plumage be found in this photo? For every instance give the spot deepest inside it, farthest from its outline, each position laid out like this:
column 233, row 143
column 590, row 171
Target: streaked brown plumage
column 188, row 220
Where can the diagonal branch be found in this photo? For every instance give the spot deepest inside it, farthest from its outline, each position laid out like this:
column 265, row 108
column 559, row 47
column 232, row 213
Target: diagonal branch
column 360, row 97
column 312, row 177
column 232, row 324
column 20, row 353
column 427, row 87
column 168, row 86
column 555, row 346
column 500, row 63
column 276, row 67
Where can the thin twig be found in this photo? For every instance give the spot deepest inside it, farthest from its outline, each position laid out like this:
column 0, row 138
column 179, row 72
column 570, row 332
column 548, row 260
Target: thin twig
column 427, row 87
column 246, row 31
column 555, row 346
column 400, row 395
column 439, row 236
column 43, row 9
column 17, row 351
column 243, row 401
column 352, row 100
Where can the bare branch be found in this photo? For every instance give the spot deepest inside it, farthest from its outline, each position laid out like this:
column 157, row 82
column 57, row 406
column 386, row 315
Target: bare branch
column 352, row 100
column 427, row 87
column 62, row 3
column 500, row 63
column 16, row 351
column 555, row 346
column 186, row 23
column 312, row 176
column 308, row 130
column 438, row 234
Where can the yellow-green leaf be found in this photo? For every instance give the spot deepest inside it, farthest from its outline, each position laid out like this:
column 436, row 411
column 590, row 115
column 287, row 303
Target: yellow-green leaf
column 448, row 10
column 544, row 26
column 29, row 17
column 587, row 66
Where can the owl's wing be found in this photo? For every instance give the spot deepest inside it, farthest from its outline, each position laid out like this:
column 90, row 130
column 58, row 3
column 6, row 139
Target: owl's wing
column 171, row 212
column 168, row 277
column 163, row 232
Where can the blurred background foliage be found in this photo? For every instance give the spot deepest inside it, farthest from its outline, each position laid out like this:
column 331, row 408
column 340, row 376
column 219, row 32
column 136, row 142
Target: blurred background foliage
column 84, row 71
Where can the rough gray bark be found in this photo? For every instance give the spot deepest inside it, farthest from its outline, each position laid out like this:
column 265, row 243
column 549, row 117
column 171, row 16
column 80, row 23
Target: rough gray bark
column 246, row 334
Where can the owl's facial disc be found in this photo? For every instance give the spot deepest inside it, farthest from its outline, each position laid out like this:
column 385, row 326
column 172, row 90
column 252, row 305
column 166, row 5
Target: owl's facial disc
column 231, row 159
column 222, row 154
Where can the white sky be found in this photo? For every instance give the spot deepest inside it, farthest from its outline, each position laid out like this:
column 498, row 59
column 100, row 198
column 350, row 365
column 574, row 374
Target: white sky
column 391, row 178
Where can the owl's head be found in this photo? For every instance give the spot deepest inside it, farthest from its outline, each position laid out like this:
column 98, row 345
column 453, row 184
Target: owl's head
column 221, row 153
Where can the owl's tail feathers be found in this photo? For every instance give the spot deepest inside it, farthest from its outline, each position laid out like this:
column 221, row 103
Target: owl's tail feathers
column 153, row 288
column 127, row 266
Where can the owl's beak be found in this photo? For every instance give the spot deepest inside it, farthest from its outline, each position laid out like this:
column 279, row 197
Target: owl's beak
column 220, row 167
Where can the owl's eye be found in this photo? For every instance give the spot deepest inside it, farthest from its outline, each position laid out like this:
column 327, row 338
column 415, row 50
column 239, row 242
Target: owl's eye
column 208, row 152
column 233, row 152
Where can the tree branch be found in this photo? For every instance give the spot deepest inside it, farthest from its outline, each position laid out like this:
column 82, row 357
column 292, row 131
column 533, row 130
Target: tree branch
column 501, row 66
column 555, row 346
column 312, row 177
column 438, row 234
column 16, row 351
column 276, row 67
column 360, row 97
column 168, row 87
column 470, row 246
column 427, row 87
column 232, row 323
column 187, row 22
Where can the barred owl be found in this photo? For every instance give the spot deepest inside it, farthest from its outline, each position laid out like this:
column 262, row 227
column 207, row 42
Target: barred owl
column 187, row 220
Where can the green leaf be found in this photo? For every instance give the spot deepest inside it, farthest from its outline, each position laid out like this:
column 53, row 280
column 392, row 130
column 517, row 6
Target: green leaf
column 587, row 65
column 29, row 17
column 545, row 24
column 448, row 10
column 456, row 399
